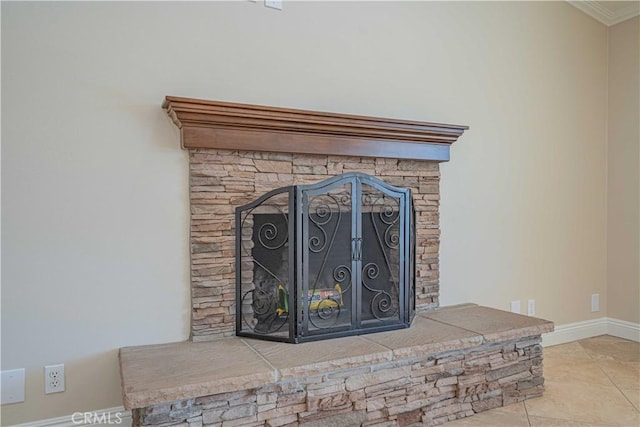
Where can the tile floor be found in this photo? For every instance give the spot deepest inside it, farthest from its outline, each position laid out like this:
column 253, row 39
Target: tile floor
column 592, row 382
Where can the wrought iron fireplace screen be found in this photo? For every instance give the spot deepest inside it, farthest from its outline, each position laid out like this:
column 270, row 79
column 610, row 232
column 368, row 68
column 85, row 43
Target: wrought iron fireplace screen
column 325, row 260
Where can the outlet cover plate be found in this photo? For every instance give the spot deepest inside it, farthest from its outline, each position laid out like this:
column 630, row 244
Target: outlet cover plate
column 12, row 386
column 274, row 4
column 515, row 307
column 595, row 303
column 53, row 379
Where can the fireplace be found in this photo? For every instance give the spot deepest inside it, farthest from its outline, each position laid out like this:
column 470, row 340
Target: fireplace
column 312, row 207
column 325, row 260
column 238, row 153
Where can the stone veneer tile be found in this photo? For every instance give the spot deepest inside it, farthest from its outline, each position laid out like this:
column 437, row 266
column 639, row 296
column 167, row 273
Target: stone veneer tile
column 509, row 416
column 425, row 336
column 169, row 372
column 494, row 325
column 312, row 358
column 221, row 180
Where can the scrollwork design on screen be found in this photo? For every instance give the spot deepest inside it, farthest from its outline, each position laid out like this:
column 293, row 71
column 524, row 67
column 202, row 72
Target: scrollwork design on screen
column 267, row 297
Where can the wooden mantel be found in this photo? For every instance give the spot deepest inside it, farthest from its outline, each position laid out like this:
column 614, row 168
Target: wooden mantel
column 225, row 125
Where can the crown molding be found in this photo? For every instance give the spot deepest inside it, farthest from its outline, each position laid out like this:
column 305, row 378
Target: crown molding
column 597, row 10
column 225, row 125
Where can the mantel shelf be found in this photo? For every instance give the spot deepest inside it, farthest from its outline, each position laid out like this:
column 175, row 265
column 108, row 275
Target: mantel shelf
column 224, row 125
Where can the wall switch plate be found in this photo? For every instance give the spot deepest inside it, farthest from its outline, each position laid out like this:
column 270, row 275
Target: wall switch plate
column 12, row 384
column 595, row 303
column 515, row 307
column 531, row 307
column 53, row 379
column 274, row 4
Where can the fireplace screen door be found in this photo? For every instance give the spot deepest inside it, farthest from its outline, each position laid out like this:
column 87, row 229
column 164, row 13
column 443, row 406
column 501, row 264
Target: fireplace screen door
column 346, row 242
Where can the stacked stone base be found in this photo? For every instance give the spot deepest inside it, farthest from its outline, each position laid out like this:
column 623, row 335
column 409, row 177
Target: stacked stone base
column 426, row 390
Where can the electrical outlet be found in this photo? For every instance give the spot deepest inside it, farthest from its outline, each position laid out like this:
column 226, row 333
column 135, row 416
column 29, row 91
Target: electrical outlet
column 515, row 307
column 595, row 303
column 531, row 307
column 12, row 383
column 53, row 379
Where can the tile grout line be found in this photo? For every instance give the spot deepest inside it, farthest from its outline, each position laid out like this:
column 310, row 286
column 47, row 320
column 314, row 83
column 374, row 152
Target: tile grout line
column 590, row 359
column 524, row 403
column 576, row 421
column 595, row 360
column 619, row 389
column 484, row 340
column 275, row 370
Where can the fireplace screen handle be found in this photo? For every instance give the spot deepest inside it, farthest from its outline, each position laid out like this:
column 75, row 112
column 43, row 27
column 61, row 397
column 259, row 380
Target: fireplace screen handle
column 354, row 255
column 356, row 249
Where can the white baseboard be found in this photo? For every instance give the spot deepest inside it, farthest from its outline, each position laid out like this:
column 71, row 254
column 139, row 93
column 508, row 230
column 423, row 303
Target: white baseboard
column 592, row 328
column 575, row 331
column 113, row 417
column 623, row 329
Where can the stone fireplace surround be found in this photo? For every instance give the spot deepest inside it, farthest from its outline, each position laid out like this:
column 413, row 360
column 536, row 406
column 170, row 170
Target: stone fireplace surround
column 451, row 363
column 221, row 180
column 229, row 167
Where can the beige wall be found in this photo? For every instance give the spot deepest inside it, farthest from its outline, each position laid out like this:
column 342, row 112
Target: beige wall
column 94, row 186
column 623, row 179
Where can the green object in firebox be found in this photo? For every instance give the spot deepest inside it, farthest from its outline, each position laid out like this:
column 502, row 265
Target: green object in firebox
column 283, row 301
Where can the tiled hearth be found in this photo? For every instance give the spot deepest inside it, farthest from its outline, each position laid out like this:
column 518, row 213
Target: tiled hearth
column 451, row 363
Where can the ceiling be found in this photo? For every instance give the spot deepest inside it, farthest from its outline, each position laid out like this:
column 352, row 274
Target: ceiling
column 609, row 12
